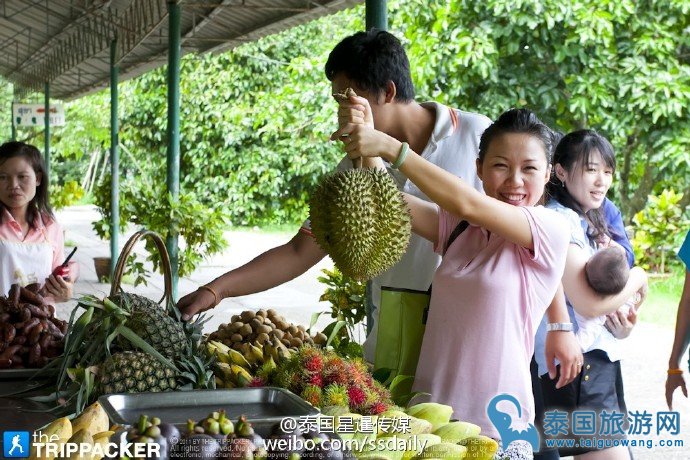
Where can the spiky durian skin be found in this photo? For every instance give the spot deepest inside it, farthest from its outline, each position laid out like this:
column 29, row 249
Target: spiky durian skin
column 360, row 219
column 135, row 372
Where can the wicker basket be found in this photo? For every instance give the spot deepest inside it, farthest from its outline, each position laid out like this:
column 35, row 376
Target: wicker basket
column 127, row 250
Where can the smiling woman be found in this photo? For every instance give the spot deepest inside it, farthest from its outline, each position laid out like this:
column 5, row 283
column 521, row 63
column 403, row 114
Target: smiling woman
column 512, row 249
column 31, row 240
column 584, row 163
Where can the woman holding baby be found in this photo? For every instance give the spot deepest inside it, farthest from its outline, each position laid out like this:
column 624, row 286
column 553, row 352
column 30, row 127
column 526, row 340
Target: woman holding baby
column 583, row 170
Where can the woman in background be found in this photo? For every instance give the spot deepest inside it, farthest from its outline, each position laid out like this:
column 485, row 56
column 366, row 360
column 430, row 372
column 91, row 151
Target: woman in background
column 31, row 240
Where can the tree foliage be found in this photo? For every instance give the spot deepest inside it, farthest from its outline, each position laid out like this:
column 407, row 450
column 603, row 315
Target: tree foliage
column 255, row 121
column 5, row 110
column 659, row 231
column 619, row 66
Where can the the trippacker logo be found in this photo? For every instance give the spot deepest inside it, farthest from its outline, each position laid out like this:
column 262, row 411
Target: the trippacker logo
column 46, row 446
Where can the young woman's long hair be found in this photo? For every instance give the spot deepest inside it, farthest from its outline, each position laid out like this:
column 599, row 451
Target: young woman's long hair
column 573, row 152
column 40, row 203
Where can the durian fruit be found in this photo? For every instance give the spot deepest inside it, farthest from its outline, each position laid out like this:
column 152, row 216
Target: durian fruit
column 480, row 447
column 359, row 217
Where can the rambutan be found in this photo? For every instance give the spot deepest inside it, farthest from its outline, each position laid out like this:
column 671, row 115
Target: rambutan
column 312, row 394
column 356, row 396
column 313, row 363
column 335, row 395
column 336, row 371
column 377, row 408
column 358, row 371
column 257, row 382
column 315, row 380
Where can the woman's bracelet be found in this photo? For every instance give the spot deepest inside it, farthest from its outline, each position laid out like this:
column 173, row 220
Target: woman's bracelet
column 216, row 299
column 675, row 372
column 401, row 156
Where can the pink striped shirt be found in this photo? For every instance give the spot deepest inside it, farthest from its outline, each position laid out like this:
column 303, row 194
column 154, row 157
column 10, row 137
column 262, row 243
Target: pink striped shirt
column 44, row 228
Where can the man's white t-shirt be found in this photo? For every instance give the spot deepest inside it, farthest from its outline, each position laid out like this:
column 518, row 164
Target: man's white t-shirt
column 453, row 146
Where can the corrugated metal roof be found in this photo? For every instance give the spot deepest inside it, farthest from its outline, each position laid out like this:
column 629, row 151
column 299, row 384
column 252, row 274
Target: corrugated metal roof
column 67, row 42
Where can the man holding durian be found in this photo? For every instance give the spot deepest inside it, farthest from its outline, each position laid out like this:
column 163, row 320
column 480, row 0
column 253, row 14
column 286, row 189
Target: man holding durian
column 375, row 65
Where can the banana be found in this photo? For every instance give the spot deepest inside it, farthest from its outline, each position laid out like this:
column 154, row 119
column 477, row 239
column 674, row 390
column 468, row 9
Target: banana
column 62, row 428
column 101, row 439
column 480, row 447
column 220, row 346
column 257, row 354
column 269, row 351
column 242, row 376
column 251, row 359
column 78, row 438
column 235, row 357
column 93, row 420
column 444, row 451
column 457, row 431
column 211, row 349
column 226, row 372
column 437, row 414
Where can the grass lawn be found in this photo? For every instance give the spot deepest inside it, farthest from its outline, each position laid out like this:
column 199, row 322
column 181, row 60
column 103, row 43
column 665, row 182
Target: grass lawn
column 662, row 301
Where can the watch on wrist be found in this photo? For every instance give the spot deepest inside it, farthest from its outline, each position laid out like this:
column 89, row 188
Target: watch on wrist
column 568, row 327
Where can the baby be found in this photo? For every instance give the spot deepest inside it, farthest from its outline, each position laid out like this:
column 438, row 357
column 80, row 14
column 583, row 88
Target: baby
column 607, row 271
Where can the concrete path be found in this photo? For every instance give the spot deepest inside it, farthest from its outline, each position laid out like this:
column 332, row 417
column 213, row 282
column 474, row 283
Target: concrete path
column 297, row 300
column 644, row 366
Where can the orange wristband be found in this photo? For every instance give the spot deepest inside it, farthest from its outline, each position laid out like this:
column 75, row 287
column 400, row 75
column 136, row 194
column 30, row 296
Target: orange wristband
column 216, row 300
column 675, row 372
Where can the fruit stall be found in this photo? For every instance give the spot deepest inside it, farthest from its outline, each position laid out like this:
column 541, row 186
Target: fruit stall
column 125, row 373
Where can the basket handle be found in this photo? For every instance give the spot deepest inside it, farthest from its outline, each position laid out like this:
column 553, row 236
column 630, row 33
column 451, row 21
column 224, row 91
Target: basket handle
column 126, row 251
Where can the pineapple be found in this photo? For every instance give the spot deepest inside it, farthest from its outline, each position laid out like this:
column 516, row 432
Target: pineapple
column 133, row 345
column 134, row 372
column 152, row 323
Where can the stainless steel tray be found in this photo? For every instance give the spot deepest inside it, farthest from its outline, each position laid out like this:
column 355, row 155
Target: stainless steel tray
column 267, row 404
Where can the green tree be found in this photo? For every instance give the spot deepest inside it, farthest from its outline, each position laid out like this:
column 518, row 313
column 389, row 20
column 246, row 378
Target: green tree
column 5, row 110
column 255, row 123
column 620, row 66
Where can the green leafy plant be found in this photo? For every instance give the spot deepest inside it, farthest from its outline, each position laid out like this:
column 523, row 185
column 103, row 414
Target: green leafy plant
column 65, row 195
column 199, row 227
column 659, row 229
column 347, row 298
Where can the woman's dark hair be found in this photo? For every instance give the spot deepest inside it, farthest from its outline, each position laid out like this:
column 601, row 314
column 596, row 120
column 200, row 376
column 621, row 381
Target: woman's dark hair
column 574, row 152
column 521, row 121
column 39, row 204
column 371, row 59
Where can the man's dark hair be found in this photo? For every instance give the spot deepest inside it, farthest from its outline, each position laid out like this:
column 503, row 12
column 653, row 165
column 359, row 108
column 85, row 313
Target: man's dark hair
column 40, row 203
column 371, row 59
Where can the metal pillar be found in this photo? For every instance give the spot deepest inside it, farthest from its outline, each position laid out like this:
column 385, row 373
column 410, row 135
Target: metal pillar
column 46, row 152
column 376, row 14
column 14, row 128
column 173, row 129
column 114, row 161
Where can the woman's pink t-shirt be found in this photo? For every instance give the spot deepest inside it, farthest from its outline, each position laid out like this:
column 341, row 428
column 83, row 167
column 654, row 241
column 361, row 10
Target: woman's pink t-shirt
column 488, row 298
column 44, row 228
